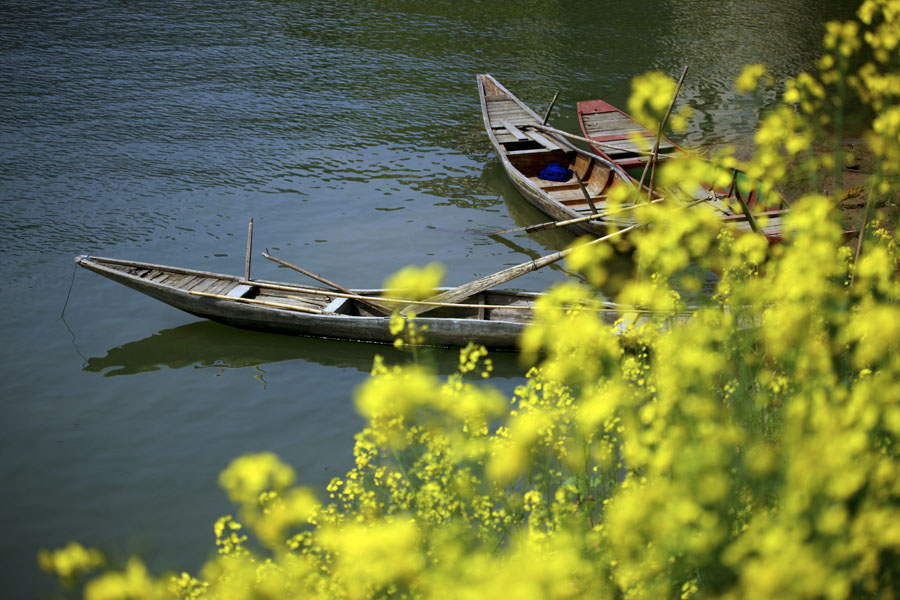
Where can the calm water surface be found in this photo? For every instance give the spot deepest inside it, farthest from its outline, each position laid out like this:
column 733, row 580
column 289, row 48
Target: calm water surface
column 351, row 133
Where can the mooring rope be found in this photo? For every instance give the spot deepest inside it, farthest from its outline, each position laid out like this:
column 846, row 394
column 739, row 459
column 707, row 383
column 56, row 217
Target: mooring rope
column 62, row 316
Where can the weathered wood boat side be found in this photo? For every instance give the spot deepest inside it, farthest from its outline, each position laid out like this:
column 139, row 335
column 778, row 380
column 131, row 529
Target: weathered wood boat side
column 493, row 318
column 524, row 150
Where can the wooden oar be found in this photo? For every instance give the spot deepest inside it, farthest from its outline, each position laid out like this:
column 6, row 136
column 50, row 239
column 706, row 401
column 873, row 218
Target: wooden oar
column 495, row 279
column 587, row 195
column 549, row 108
column 374, row 306
column 249, row 250
column 500, row 277
column 599, row 216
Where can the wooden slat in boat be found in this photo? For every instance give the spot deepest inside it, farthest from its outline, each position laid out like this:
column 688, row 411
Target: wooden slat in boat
column 509, row 109
column 172, row 279
column 543, row 141
column 626, row 145
column 292, row 301
column 511, row 115
column 549, row 186
column 221, row 287
column 200, row 284
column 602, row 123
column 189, row 281
column 298, row 299
column 616, row 133
column 205, row 284
column 574, row 191
column 512, row 129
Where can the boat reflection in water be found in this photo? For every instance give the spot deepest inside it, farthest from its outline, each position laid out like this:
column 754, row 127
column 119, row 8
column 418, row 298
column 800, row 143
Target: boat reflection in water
column 206, row 344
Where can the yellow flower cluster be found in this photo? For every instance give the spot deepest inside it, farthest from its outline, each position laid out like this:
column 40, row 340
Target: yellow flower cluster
column 732, row 436
column 651, row 95
column 415, row 283
column 70, row 562
column 749, row 78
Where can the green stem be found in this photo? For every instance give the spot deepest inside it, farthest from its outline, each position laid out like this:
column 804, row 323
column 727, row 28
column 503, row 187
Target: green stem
column 839, row 129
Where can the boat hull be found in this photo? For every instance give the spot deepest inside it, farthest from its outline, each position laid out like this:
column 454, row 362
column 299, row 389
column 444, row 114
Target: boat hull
column 352, row 324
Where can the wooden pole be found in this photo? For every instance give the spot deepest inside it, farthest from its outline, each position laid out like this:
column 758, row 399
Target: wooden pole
column 249, row 250
column 652, row 164
column 587, row 195
column 549, row 108
column 495, row 279
column 597, row 217
column 376, row 307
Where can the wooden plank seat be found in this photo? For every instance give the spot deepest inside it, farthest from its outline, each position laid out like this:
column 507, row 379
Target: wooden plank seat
column 292, row 300
column 573, row 200
column 513, row 130
column 546, row 184
column 543, row 141
column 337, row 306
column 530, row 151
column 239, row 291
column 221, row 287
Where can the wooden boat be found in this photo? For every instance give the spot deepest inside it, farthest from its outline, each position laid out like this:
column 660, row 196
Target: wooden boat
column 492, row 318
column 611, row 132
column 526, row 148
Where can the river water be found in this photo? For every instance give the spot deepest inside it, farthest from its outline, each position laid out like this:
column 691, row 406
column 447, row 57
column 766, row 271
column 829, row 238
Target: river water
column 351, row 133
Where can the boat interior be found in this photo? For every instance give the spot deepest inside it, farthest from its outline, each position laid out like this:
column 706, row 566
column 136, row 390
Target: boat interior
column 487, row 305
column 530, row 151
column 613, row 132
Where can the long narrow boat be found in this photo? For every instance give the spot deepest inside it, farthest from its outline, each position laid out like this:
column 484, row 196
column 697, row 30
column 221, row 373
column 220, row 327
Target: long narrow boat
column 526, row 149
column 612, row 134
column 492, row 318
